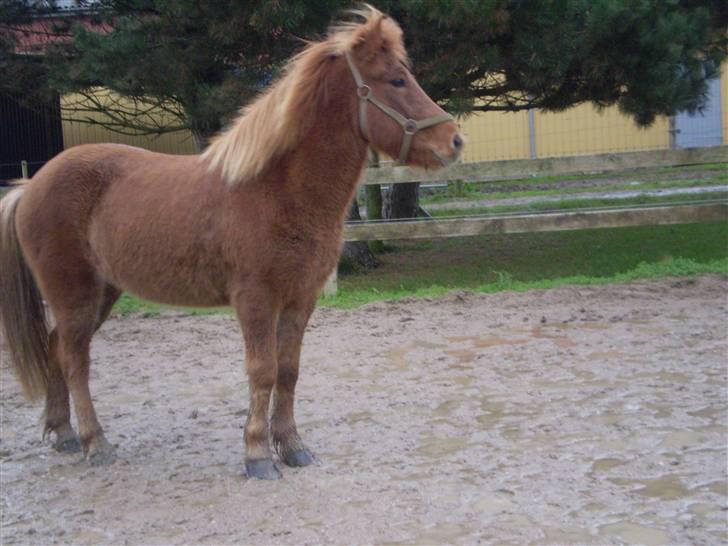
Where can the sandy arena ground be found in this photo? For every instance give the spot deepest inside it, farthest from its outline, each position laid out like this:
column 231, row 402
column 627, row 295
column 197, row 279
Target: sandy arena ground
column 577, row 415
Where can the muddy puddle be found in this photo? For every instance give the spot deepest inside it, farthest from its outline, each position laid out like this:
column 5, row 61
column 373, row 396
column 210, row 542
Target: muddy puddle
column 571, row 416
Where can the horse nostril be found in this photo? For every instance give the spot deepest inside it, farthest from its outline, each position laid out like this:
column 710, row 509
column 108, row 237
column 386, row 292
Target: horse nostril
column 457, row 142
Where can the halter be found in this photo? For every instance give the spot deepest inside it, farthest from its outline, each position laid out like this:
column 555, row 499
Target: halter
column 409, row 126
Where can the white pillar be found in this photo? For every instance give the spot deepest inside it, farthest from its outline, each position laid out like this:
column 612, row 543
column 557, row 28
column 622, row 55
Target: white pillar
column 331, row 286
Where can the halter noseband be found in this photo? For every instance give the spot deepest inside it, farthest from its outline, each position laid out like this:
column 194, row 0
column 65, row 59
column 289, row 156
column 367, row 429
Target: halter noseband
column 409, row 126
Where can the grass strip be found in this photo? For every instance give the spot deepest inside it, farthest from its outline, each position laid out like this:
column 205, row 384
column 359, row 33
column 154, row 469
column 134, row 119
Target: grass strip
column 475, row 195
column 568, row 204
column 680, row 267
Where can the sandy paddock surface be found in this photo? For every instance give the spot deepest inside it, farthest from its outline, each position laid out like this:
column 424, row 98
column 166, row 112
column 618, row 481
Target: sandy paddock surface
column 575, row 415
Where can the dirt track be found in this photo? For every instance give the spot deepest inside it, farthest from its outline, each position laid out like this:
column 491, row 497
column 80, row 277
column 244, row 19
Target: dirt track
column 577, row 415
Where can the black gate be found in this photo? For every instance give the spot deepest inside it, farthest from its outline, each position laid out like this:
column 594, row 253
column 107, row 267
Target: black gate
column 28, row 134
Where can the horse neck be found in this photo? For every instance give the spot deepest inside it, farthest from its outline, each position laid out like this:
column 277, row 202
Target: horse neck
column 322, row 173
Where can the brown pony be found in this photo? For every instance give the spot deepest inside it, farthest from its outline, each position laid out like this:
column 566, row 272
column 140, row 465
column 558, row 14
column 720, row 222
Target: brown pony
column 255, row 222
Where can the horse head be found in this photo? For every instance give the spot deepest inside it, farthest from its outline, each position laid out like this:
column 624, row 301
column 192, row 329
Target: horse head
column 392, row 111
column 361, row 63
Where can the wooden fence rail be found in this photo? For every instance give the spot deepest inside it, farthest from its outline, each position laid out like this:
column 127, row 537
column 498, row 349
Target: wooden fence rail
column 485, row 171
column 530, row 222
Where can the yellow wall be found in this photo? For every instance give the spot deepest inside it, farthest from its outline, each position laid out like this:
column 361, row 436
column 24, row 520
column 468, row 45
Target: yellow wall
column 580, row 130
column 74, row 133
column 171, row 143
column 495, row 136
column 586, row 130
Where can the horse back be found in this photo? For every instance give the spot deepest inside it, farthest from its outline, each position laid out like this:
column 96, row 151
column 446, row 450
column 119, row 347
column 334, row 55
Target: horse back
column 142, row 220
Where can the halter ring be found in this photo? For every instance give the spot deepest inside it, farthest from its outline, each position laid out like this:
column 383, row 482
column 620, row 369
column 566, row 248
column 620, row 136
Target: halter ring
column 410, row 127
column 364, row 91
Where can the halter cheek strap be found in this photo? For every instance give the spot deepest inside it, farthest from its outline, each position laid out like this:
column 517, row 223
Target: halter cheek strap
column 409, row 126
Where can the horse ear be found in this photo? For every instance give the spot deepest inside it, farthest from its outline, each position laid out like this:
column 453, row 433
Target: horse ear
column 370, row 38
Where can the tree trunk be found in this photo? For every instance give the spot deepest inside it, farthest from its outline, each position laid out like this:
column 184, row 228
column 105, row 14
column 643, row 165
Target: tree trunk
column 402, row 201
column 356, row 255
column 202, row 130
column 201, row 138
column 374, row 212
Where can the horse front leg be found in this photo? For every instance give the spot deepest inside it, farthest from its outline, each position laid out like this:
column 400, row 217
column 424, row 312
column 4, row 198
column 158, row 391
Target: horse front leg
column 288, row 443
column 258, row 320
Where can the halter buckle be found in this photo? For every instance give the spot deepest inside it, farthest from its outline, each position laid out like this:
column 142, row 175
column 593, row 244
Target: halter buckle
column 364, row 91
column 410, row 127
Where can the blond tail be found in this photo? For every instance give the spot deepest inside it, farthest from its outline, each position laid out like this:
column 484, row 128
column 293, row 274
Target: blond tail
column 22, row 313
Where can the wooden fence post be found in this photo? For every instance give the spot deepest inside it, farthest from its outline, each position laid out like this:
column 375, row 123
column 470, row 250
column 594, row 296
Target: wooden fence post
column 331, row 286
column 374, row 201
column 24, row 169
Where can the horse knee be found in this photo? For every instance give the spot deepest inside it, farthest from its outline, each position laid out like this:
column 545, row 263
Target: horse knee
column 75, row 371
column 262, row 373
column 287, row 379
column 72, row 353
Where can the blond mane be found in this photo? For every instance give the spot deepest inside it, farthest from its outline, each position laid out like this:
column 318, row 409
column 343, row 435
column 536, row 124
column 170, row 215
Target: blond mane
column 275, row 122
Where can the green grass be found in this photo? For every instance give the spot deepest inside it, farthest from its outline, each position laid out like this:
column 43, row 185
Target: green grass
column 538, row 260
column 680, row 267
column 129, row 304
column 703, row 167
column 568, row 204
column 471, row 194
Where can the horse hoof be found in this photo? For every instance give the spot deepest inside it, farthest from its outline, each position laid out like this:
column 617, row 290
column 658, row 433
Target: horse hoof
column 69, row 444
column 102, row 453
column 300, row 457
column 101, row 458
column 263, row 469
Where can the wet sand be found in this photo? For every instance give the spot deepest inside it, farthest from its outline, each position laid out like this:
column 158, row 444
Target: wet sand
column 570, row 416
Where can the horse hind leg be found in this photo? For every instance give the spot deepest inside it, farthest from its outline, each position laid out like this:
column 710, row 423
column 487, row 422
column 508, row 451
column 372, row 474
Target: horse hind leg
column 57, row 409
column 57, row 412
column 76, row 326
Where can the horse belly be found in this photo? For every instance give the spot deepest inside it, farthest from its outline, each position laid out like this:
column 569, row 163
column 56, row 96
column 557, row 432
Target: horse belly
column 160, row 266
column 169, row 281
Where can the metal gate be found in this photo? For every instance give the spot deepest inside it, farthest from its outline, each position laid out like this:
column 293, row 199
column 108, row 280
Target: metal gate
column 32, row 135
column 701, row 129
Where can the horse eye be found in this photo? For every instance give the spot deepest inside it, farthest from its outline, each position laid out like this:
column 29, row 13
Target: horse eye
column 399, row 82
